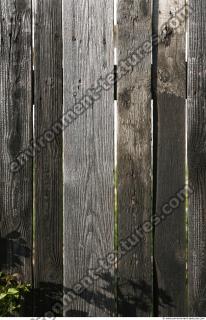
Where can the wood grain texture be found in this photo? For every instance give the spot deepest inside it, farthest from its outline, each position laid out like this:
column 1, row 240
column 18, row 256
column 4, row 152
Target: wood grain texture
column 134, row 168
column 169, row 103
column 15, row 134
column 48, row 100
column 88, row 156
column 196, row 158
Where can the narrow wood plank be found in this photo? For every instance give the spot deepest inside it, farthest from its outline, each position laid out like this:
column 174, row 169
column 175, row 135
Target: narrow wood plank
column 134, row 169
column 48, row 99
column 15, row 134
column 196, row 159
column 170, row 86
column 88, row 158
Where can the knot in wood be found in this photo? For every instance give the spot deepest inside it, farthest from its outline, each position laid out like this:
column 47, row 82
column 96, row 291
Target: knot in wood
column 164, row 75
column 166, row 35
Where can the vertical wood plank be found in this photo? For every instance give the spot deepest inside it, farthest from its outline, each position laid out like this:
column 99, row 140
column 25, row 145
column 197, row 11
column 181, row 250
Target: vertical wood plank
column 15, row 134
column 196, row 159
column 134, row 169
column 48, row 99
column 170, row 92
column 88, row 158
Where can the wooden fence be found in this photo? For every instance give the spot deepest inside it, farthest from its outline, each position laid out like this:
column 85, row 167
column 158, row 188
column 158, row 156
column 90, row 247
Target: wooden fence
column 93, row 238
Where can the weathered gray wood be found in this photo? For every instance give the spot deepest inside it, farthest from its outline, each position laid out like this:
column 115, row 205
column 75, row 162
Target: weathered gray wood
column 48, row 98
column 134, row 169
column 15, row 133
column 196, row 158
column 170, row 91
column 88, row 155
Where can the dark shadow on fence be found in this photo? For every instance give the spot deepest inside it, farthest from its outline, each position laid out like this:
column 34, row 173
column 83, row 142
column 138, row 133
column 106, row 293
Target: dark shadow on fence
column 13, row 248
column 128, row 305
column 49, row 297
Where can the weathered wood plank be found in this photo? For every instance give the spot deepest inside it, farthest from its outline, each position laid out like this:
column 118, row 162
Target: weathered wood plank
column 196, row 159
column 134, row 159
column 48, row 100
column 169, row 103
column 15, row 134
column 88, row 156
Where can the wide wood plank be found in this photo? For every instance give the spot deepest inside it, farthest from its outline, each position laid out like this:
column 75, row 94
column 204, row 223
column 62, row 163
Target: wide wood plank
column 48, row 210
column 169, row 113
column 196, row 159
column 88, row 157
column 15, row 134
column 134, row 168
